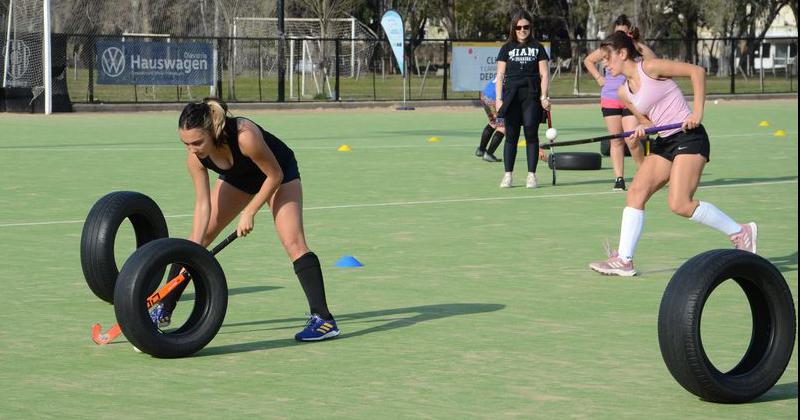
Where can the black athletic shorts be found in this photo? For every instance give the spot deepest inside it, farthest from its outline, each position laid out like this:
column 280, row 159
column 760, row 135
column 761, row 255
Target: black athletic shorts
column 608, row 112
column 252, row 185
column 691, row 142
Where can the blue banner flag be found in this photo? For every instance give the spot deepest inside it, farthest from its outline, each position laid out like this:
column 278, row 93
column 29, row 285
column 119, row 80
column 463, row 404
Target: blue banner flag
column 392, row 24
column 154, row 63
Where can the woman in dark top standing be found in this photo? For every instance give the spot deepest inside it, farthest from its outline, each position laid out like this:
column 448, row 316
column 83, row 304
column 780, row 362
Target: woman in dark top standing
column 255, row 168
column 523, row 78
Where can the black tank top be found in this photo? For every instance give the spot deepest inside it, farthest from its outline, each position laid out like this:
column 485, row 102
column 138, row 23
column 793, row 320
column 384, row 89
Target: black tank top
column 244, row 173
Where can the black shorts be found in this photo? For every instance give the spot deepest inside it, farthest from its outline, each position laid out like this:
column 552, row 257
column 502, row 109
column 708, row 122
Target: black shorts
column 252, row 185
column 692, row 142
column 610, row 112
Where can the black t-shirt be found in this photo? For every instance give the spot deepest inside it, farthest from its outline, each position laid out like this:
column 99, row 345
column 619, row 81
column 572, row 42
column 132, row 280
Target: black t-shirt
column 522, row 61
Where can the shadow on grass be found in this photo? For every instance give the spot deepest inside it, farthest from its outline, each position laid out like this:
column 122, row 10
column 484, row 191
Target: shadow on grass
column 386, row 320
column 563, row 179
column 237, row 291
column 787, row 391
column 785, row 263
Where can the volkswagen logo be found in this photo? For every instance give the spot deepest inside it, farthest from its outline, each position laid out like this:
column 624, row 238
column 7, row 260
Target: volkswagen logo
column 113, row 60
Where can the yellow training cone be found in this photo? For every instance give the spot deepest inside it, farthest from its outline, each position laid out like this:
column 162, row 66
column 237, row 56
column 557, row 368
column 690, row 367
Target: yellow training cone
column 779, row 133
column 522, row 143
column 764, row 123
column 434, row 139
column 344, row 148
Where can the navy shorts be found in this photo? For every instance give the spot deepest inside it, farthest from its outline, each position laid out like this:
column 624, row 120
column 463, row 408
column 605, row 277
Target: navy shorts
column 692, row 142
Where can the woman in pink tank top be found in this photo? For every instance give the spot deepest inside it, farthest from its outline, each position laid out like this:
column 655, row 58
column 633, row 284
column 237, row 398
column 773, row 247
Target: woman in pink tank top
column 677, row 156
column 615, row 114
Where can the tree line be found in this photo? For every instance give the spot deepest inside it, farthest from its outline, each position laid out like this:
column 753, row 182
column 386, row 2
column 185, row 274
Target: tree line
column 463, row 19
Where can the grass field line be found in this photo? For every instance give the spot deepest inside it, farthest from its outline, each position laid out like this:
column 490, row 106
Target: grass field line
column 84, row 148
column 427, row 202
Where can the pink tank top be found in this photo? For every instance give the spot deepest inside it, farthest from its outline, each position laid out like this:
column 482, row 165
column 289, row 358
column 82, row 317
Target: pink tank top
column 660, row 100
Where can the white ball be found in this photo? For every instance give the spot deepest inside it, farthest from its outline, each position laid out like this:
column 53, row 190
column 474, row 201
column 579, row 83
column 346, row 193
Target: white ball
column 716, row 101
column 551, row 134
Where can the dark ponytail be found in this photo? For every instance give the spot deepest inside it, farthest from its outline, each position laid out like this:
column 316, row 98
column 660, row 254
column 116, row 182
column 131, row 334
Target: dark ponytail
column 622, row 40
column 622, row 20
column 633, row 32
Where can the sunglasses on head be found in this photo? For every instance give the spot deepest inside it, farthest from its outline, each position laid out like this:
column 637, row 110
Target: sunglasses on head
column 522, row 27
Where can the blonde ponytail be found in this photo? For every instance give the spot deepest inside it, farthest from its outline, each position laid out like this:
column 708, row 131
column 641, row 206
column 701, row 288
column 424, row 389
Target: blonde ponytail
column 217, row 112
column 209, row 115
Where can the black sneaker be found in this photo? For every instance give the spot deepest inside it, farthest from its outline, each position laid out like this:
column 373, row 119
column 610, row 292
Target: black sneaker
column 491, row 158
column 479, row 152
column 619, row 184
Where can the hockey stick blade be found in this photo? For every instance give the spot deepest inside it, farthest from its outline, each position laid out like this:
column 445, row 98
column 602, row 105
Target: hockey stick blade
column 107, row 337
column 650, row 130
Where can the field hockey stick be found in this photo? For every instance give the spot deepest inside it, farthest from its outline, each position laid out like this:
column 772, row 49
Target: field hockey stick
column 553, row 151
column 114, row 332
column 650, row 130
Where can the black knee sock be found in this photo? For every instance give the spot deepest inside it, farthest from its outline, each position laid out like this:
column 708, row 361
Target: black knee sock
column 310, row 275
column 487, row 133
column 497, row 138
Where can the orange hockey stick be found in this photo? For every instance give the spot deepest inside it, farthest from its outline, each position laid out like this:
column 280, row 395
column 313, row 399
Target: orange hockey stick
column 115, row 331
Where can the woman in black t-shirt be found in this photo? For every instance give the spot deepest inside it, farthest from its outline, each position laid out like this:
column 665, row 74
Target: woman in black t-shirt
column 523, row 78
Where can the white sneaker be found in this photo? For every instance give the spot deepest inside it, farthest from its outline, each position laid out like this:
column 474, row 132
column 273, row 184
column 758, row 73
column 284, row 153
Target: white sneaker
column 614, row 265
column 746, row 238
column 506, row 182
column 531, row 181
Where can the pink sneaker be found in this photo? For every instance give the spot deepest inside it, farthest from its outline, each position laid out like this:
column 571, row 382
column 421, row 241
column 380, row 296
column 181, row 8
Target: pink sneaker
column 614, row 265
column 746, row 238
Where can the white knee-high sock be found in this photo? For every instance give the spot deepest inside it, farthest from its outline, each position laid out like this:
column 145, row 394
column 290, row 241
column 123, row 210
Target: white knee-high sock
column 631, row 230
column 711, row 216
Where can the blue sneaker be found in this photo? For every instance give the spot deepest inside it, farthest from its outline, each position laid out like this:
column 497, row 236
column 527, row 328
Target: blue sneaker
column 317, row 329
column 160, row 315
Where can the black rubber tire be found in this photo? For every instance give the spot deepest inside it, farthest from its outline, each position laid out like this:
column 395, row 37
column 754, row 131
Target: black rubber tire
column 210, row 294
column 581, row 161
column 100, row 231
column 772, row 340
column 605, row 148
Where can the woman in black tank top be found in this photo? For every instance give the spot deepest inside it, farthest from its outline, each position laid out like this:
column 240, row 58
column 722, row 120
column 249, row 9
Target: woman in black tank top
column 244, row 173
column 255, row 168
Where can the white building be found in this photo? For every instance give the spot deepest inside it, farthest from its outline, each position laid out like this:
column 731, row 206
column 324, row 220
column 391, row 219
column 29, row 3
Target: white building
column 778, row 53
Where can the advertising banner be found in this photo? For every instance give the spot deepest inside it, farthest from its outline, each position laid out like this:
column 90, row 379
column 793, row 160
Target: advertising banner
column 473, row 64
column 154, row 63
column 392, row 24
